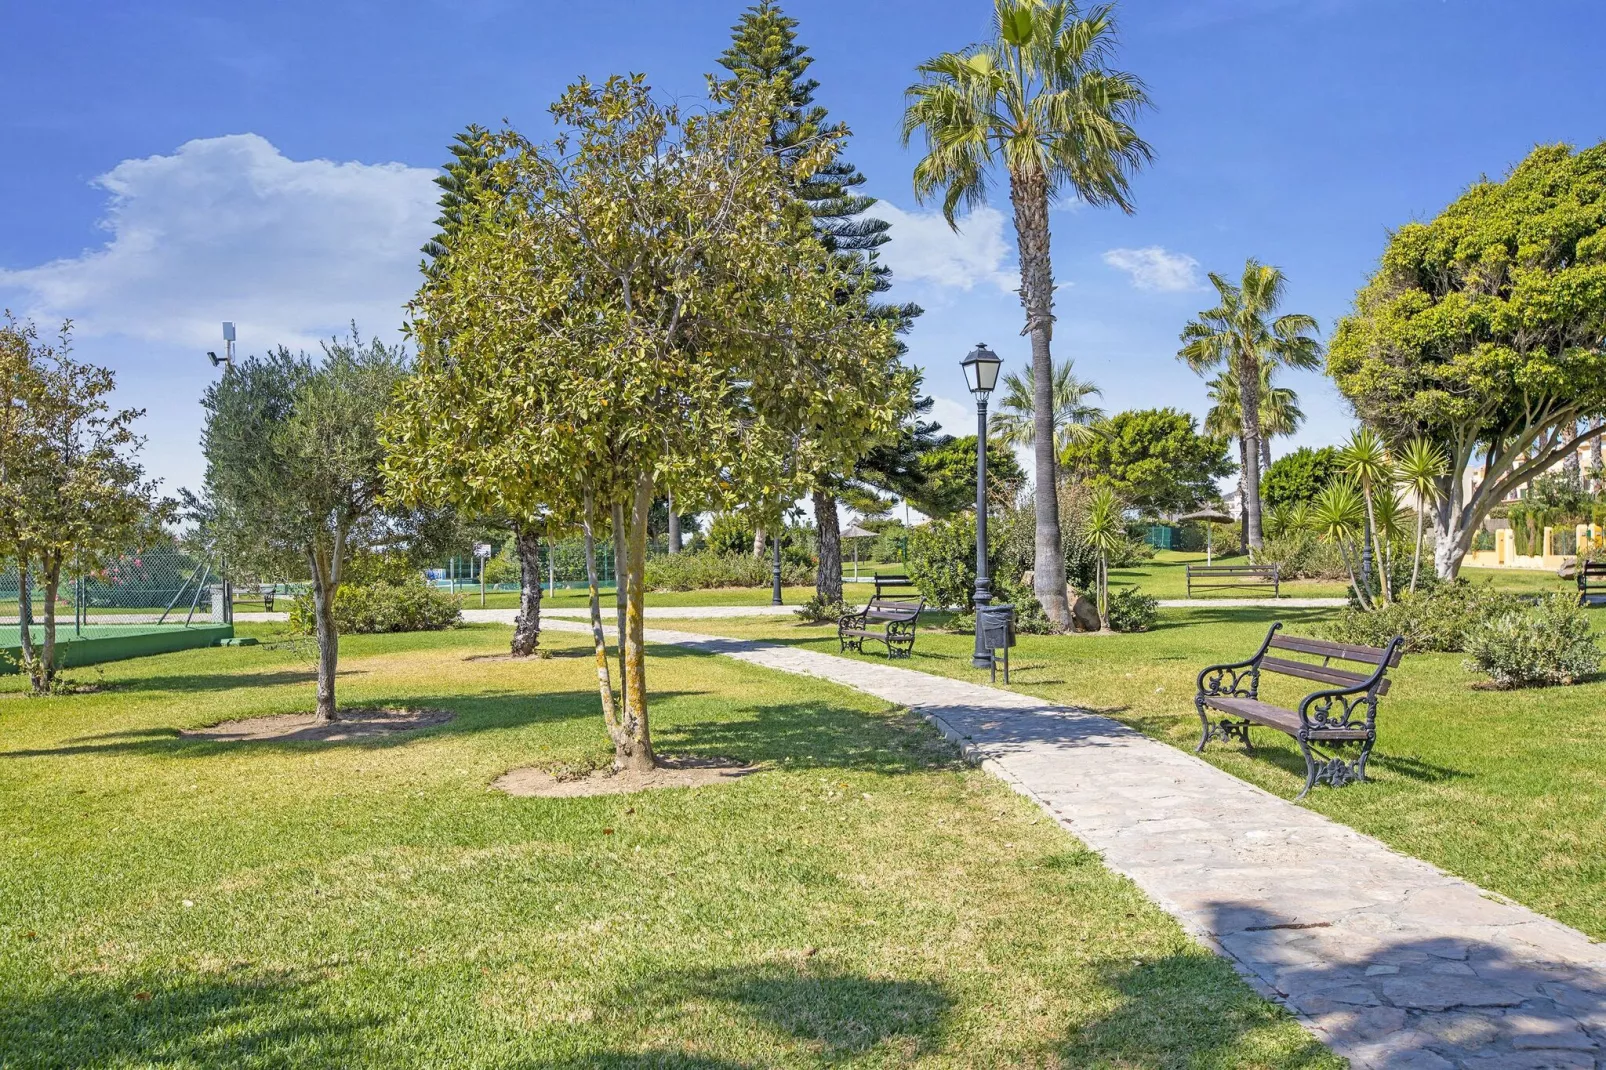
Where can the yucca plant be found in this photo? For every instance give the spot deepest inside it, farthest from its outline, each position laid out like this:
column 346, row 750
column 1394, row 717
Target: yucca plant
column 1339, row 515
column 1366, row 460
column 1419, row 467
column 1103, row 532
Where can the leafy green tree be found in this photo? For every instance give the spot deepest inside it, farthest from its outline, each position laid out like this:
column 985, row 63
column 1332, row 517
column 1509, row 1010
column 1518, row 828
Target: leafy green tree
column 1482, row 331
column 1244, row 333
column 1041, row 97
column 292, row 461
column 71, row 490
column 764, row 52
column 1299, row 476
column 642, row 304
column 1074, row 417
column 948, row 476
column 1154, row 459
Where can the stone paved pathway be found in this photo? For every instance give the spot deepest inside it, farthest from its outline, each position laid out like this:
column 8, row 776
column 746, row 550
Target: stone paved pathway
column 1385, row 958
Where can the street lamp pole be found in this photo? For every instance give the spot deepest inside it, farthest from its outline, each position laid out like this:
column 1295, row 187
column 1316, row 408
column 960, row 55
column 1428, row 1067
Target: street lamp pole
column 981, row 375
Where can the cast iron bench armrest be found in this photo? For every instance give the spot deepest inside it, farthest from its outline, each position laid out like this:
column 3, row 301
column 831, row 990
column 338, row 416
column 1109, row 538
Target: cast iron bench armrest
column 1324, row 699
column 1236, row 668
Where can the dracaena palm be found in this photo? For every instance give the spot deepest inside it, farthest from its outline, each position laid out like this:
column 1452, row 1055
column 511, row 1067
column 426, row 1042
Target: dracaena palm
column 1419, row 467
column 1366, row 460
column 1040, row 99
column 1016, row 422
column 1103, row 532
column 1244, row 333
column 1339, row 515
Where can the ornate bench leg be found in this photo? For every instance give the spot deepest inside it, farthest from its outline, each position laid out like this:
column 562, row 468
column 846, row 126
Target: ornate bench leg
column 1224, row 730
column 1360, row 763
column 1311, row 769
column 1204, row 726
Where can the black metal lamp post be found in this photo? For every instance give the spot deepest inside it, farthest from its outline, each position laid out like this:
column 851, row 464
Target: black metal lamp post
column 775, row 568
column 981, row 375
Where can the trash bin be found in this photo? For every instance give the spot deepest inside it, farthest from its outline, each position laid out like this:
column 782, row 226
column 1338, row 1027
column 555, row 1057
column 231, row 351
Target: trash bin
column 995, row 626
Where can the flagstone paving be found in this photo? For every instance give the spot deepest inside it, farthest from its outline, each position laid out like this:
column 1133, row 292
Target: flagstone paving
column 1388, row 960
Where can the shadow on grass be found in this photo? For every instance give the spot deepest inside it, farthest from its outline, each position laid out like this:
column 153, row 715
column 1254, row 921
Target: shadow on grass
column 824, row 1015
column 159, row 1021
column 474, row 713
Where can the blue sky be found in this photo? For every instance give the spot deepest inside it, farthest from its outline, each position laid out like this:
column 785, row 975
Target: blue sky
column 173, row 165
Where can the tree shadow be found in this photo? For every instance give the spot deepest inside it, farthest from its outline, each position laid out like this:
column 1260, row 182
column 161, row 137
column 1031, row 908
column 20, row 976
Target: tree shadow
column 163, row 1021
column 1380, row 995
column 834, row 1015
column 487, row 711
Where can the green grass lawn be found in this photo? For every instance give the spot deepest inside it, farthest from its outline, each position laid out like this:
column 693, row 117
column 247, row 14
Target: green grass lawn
column 1503, row 788
column 865, row 900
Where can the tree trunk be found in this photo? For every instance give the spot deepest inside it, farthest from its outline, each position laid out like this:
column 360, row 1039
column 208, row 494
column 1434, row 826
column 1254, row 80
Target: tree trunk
column 527, row 625
column 324, row 588
column 1265, row 453
column 634, row 751
column 828, row 576
column 1595, row 461
column 619, row 581
column 1571, row 465
column 674, row 526
column 25, row 616
column 1449, row 521
column 1028, row 193
column 1243, row 497
column 758, row 542
column 1421, row 526
column 604, row 681
column 1249, row 399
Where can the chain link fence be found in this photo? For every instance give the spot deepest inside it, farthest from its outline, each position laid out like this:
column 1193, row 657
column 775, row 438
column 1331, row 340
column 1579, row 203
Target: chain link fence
column 164, row 587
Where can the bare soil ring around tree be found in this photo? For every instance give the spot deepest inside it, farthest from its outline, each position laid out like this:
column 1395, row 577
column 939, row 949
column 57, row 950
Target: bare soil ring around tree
column 671, row 773
column 353, row 725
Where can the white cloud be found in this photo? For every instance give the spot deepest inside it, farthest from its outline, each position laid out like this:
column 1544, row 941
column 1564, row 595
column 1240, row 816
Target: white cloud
column 1153, row 268
column 925, row 249
column 230, row 228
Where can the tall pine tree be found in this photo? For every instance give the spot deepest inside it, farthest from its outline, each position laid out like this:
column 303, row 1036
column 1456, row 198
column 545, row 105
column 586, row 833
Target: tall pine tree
column 470, row 163
column 764, row 51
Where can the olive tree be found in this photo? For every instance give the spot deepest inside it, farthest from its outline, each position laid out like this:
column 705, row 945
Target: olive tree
column 292, row 466
column 74, row 494
column 1482, row 332
column 641, row 304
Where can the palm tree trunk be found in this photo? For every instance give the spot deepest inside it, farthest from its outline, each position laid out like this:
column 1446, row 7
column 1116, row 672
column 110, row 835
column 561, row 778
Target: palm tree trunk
column 828, row 574
column 1243, row 497
column 1595, row 460
column 1249, row 400
column 1421, row 526
column 1265, row 453
column 1028, row 192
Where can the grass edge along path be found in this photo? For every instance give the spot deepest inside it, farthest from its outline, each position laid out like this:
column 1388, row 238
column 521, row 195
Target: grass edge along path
column 864, row 901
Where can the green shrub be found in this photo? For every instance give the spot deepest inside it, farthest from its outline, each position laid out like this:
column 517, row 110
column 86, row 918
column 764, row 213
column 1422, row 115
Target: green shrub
column 1132, row 611
column 942, row 561
column 706, row 569
column 1539, row 645
column 383, row 607
column 819, row 611
column 1435, row 618
column 1300, row 555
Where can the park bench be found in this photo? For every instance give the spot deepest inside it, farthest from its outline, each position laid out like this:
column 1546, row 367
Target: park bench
column 1345, row 711
column 887, row 582
column 264, row 594
column 1591, row 576
column 888, row 619
column 1242, row 577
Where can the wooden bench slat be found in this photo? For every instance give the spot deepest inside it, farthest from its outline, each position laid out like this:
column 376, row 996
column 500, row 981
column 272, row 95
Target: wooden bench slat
column 1277, row 717
column 1326, row 648
column 1322, row 674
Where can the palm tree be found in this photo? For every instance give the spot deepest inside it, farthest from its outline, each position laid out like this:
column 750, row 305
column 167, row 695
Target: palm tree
column 1338, row 514
column 1016, row 424
column 1421, row 464
column 1103, row 533
column 1241, row 333
column 1366, row 460
column 1280, row 414
column 1041, row 98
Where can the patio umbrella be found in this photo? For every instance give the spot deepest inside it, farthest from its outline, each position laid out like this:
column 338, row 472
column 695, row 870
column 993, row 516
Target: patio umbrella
column 1209, row 516
column 854, row 531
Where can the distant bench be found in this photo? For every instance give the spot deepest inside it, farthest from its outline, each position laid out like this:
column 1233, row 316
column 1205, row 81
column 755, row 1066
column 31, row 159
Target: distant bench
column 1234, row 577
column 1591, row 576
column 889, row 619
